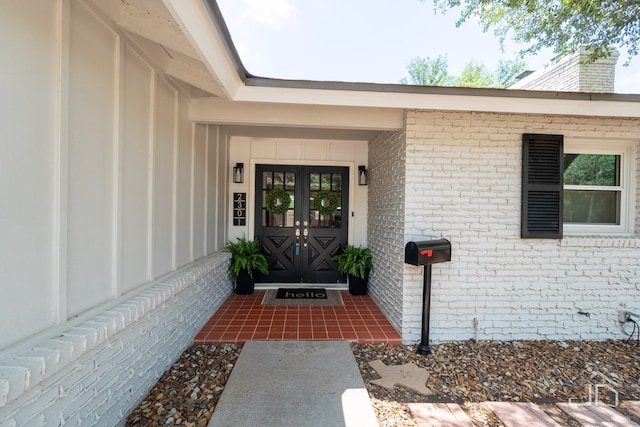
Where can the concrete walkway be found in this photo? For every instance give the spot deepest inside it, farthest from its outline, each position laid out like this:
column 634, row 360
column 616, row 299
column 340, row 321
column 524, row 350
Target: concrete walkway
column 318, row 383
column 295, row 383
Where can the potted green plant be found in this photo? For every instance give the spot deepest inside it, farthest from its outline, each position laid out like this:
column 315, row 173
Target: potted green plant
column 246, row 259
column 356, row 263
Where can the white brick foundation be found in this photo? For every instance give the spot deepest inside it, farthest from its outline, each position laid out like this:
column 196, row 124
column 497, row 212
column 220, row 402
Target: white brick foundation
column 96, row 372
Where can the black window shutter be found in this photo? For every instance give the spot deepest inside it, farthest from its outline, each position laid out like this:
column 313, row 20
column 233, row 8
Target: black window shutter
column 542, row 171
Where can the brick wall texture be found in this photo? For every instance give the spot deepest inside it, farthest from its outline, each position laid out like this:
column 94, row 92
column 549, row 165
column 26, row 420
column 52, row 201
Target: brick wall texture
column 386, row 217
column 462, row 181
column 96, row 372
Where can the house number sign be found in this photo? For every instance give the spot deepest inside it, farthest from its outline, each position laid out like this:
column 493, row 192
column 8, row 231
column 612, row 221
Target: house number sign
column 239, row 208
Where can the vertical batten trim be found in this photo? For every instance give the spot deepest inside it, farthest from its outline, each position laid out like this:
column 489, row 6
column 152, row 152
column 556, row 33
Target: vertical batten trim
column 192, row 193
column 116, row 271
column 61, row 168
column 174, row 176
column 153, row 94
column 223, row 186
column 207, row 171
column 216, row 187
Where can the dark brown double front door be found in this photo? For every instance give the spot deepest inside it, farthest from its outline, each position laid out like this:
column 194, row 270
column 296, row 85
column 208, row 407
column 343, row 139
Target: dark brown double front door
column 301, row 241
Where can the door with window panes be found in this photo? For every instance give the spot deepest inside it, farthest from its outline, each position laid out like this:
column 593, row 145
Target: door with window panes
column 300, row 239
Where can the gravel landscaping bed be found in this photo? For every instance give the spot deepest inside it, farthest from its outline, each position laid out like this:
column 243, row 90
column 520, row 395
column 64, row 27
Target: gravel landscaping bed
column 467, row 373
column 471, row 372
column 187, row 393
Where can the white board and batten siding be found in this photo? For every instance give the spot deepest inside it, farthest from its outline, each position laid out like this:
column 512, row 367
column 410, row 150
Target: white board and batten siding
column 119, row 182
column 111, row 213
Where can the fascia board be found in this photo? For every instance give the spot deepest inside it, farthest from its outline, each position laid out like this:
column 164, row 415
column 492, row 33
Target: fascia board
column 195, row 20
column 296, row 115
column 582, row 106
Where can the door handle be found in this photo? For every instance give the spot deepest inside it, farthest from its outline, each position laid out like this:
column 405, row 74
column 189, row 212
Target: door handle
column 305, row 233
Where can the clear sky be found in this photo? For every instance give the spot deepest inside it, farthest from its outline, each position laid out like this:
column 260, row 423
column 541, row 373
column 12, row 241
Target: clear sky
column 367, row 40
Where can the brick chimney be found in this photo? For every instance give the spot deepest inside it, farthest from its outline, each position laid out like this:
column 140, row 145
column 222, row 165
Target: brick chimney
column 571, row 74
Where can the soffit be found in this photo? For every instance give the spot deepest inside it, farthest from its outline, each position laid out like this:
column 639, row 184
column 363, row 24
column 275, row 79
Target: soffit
column 150, row 26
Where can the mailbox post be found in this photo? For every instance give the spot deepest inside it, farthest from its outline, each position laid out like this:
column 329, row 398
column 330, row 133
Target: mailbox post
column 426, row 253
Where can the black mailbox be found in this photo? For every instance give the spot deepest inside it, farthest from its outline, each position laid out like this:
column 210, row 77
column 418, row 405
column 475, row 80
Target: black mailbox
column 427, row 252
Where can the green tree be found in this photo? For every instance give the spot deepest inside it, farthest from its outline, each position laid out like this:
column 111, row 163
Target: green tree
column 507, row 71
column 563, row 25
column 428, row 72
column 474, row 74
column 434, row 72
column 590, row 169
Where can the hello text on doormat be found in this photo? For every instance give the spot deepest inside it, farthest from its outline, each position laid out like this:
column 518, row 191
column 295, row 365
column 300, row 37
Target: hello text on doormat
column 299, row 293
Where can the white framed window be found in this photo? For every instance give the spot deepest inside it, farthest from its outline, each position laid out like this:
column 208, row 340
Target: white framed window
column 598, row 187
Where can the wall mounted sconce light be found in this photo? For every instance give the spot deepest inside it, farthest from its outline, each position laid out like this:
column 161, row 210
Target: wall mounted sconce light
column 363, row 175
column 238, row 173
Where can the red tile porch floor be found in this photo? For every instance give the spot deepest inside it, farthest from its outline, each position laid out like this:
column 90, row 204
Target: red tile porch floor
column 243, row 318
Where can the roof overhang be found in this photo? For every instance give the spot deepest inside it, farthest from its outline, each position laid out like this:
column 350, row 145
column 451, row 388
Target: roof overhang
column 263, row 101
column 441, row 98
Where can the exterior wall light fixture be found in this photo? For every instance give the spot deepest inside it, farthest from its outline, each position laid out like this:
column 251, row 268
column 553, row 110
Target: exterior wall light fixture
column 363, row 175
column 238, row 173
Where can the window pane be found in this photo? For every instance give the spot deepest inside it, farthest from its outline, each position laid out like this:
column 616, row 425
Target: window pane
column 591, row 169
column 267, row 180
column 337, row 182
column 278, row 179
column 592, row 207
column 325, row 181
column 314, row 181
column 290, row 183
column 288, row 218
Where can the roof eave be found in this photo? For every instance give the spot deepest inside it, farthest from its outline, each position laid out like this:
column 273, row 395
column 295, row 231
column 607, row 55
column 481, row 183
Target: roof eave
column 254, row 81
column 211, row 37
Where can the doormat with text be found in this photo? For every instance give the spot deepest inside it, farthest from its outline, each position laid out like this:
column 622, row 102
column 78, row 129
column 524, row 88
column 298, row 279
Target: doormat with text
column 300, row 293
column 288, row 296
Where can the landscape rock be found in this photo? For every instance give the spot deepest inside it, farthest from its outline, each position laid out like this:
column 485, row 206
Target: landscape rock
column 468, row 373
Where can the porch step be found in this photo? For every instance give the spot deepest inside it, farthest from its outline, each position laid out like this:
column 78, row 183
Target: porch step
column 596, row 415
column 439, row 415
column 521, row 414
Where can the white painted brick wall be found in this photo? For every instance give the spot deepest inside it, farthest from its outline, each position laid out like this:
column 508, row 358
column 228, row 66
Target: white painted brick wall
column 386, row 223
column 463, row 182
column 96, row 372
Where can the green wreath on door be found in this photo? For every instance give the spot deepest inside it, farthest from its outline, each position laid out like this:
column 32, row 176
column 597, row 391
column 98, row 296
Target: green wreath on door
column 326, row 202
column 277, row 201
